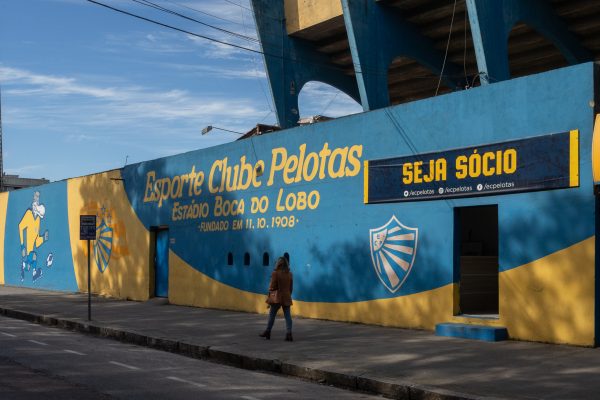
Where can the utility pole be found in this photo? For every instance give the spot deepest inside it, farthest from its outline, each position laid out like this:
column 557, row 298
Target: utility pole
column 1, row 159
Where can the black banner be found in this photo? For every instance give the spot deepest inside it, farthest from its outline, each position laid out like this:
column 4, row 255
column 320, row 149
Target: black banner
column 538, row 163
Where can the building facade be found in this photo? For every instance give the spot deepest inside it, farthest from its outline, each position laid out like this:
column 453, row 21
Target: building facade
column 474, row 207
column 14, row 182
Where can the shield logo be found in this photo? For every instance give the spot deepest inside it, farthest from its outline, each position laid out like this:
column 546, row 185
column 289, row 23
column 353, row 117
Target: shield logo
column 103, row 245
column 393, row 252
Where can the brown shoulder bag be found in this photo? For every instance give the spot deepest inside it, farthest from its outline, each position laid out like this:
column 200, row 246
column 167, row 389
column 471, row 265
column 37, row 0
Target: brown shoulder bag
column 272, row 297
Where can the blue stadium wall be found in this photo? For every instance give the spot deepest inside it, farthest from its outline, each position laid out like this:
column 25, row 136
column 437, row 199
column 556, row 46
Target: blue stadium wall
column 308, row 200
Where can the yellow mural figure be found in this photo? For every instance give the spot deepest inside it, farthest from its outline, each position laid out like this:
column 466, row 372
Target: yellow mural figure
column 30, row 239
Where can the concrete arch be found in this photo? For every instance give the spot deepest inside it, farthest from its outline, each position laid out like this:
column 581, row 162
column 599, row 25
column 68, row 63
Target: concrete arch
column 316, row 97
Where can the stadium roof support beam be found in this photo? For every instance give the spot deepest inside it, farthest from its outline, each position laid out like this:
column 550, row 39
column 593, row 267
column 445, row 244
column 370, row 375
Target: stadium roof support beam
column 492, row 21
column 292, row 62
column 377, row 35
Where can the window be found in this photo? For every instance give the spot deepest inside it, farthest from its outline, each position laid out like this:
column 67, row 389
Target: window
column 230, row 258
column 266, row 259
column 246, row 259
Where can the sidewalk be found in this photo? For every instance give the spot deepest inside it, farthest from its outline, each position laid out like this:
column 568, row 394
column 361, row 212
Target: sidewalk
column 397, row 363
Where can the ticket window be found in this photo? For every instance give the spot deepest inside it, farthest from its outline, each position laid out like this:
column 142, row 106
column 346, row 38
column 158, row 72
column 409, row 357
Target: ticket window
column 477, row 261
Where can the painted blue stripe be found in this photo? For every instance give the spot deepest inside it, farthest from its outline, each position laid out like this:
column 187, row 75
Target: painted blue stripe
column 475, row 332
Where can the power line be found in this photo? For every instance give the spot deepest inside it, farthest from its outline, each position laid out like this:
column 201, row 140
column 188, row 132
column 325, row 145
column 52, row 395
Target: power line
column 175, row 28
column 252, row 10
column 1, row 158
column 465, row 48
column 150, row 4
column 330, row 102
column 369, row 71
column 255, row 65
column 265, row 117
column 238, row 4
column 447, row 48
column 203, row 12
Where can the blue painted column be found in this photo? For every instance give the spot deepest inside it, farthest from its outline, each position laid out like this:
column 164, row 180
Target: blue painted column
column 292, row 62
column 490, row 40
column 377, row 34
column 492, row 21
column 162, row 263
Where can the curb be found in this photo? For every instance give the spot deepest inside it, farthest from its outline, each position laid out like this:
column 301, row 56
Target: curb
column 336, row 379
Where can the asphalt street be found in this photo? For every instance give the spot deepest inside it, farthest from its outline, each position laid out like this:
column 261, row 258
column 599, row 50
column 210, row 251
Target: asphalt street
column 38, row 362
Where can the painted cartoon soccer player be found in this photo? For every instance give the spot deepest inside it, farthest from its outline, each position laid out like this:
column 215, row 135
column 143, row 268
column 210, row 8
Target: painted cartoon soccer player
column 29, row 234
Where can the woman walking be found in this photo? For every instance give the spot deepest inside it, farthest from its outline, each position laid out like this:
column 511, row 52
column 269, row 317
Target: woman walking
column 280, row 296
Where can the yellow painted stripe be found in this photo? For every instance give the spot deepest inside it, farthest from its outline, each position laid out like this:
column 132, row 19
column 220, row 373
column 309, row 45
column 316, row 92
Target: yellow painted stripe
column 596, row 150
column 3, row 209
column 526, row 311
column 574, row 159
column 188, row 286
column 366, row 175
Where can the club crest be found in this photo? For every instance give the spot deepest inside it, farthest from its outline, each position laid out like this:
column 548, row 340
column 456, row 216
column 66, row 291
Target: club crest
column 393, row 252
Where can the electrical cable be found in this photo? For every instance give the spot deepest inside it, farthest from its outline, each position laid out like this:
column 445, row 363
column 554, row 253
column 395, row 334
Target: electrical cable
column 175, row 28
column 150, row 4
column 330, row 102
column 236, row 4
column 265, row 117
column 254, row 64
column 203, row 12
column 1, row 152
column 253, row 148
column 485, row 75
column 372, row 72
column 465, row 50
column 401, row 131
column 411, row 146
column 447, row 47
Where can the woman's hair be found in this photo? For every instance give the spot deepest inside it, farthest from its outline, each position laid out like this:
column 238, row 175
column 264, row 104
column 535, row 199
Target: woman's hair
column 282, row 264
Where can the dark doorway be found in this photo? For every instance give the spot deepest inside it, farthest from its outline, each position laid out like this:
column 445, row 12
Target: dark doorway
column 477, row 247
column 161, row 263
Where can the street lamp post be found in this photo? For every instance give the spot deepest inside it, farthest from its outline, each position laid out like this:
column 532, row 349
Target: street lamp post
column 209, row 128
column 258, row 168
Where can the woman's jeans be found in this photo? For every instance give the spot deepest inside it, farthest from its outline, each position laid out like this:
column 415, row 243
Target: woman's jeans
column 286, row 313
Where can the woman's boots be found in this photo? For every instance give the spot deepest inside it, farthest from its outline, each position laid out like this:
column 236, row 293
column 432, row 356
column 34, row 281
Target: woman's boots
column 266, row 335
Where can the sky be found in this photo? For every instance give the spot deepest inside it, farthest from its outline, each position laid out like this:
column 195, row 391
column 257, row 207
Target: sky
column 86, row 89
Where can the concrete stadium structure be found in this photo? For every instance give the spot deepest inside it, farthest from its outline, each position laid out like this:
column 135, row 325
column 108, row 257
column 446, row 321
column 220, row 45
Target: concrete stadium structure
column 475, row 208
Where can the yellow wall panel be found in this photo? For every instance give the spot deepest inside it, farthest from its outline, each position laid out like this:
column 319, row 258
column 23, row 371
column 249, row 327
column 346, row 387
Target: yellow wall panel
column 551, row 299
column 3, row 209
column 126, row 274
column 596, row 150
column 302, row 14
column 548, row 300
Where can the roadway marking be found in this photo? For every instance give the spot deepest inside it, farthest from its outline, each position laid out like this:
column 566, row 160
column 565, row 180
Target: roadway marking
column 40, row 343
column 176, row 379
column 124, row 365
column 8, row 334
column 249, row 398
column 74, row 352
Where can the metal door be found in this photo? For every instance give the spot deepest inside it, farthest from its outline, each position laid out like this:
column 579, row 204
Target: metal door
column 162, row 263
